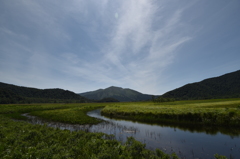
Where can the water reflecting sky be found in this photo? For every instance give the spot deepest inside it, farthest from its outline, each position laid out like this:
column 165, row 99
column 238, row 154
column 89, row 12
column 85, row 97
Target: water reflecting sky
column 185, row 143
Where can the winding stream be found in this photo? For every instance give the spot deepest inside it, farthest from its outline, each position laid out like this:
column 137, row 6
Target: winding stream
column 186, row 143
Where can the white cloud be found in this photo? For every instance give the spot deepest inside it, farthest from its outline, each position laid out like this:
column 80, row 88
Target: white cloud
column 129, row 51
column 139, row 48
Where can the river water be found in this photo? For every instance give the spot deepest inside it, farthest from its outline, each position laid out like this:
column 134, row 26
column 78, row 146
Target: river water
column 185, row 142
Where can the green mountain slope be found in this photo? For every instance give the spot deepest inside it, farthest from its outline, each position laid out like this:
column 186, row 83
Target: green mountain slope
column 225, row 86
column 16, row 94
column 118, row 93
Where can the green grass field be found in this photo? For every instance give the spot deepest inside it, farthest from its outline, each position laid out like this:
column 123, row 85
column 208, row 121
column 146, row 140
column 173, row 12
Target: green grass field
column 224, row 112
column 67, row 113
column 73, row 115
column 19, row 139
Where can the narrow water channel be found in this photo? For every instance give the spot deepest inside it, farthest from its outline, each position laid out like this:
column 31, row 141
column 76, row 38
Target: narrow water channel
column 185, row 143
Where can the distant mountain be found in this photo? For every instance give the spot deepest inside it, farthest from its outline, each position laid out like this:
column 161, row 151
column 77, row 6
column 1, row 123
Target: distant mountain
column 225, row 86
column 15, row 94
column 122, row 95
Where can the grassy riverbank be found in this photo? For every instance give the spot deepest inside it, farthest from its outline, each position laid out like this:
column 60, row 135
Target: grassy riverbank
column 23, row 140
column 74, row 115
column 19, row 139
column 217, row 112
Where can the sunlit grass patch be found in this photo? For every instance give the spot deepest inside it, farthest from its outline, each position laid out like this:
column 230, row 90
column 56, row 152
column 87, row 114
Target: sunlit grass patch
column 75, row 115
column 210, row 112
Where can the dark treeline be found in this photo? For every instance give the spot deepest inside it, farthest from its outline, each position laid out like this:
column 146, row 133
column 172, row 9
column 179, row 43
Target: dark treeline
column 10, row 94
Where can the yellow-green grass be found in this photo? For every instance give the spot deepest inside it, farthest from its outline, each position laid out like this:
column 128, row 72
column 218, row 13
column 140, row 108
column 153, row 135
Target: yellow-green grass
column 74, row 115
column 24, row 108
column 67, row 113
column 207, row 112
column 23, row 140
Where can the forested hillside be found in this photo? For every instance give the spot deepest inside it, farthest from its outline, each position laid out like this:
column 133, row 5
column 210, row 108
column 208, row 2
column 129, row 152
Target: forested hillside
column 121, row 94
column 16, row 94
column 225, row 86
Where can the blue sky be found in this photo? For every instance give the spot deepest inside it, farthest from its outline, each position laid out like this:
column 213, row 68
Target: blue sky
column 152, row 46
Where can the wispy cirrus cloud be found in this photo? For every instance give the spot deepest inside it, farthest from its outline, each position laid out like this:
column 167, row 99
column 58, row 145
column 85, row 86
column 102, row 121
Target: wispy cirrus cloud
column 129, row 50
column 96, row 44
column 139, row 48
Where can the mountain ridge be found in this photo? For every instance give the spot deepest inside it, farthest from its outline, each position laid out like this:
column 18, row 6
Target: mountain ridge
column 121, row 94
column 224, row 86
column 10, row 93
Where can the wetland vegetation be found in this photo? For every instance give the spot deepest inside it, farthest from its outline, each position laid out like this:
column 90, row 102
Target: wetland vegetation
column 20, row 139
column 214, row 112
